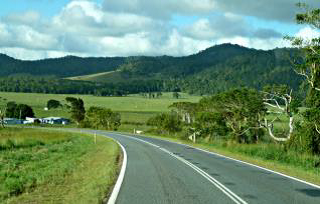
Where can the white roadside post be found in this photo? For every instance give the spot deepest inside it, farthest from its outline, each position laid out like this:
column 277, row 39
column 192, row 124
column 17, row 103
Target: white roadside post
column 194, row 137
column 95, row 137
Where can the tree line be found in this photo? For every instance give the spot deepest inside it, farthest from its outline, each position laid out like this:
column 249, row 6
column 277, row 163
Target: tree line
column 48, row 84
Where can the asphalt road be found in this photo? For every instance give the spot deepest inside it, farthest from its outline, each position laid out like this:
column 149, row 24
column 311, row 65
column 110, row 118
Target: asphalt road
column 160, row 172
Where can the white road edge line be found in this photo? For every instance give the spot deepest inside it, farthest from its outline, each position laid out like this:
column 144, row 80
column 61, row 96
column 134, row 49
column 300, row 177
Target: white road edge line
column 259, row 167
column 243, row 162
column 116, row 189
column 216, row 183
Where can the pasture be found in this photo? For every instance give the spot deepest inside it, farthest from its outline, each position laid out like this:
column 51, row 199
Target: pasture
column 133, row 108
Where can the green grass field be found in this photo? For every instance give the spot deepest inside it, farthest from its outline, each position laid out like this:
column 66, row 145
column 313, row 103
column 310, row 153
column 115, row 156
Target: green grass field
column 41, row 166
column 134, row 108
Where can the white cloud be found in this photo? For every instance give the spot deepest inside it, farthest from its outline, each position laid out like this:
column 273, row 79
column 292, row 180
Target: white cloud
column 134, row 27
column 308, row 33
column 25, row 37
column 163, row 9
column 227, row 26
column 264, row 44
column 24, row 18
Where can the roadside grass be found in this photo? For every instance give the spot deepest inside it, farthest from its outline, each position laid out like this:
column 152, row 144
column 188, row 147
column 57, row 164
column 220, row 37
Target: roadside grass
column 42, row 166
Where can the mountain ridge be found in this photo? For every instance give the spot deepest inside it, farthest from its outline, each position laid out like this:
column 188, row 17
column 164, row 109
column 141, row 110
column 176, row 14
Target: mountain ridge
column 212, row 70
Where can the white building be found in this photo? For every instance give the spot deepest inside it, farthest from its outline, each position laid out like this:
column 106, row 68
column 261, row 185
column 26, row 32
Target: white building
column 55, row 120
column 13, row 121
column 32, row 120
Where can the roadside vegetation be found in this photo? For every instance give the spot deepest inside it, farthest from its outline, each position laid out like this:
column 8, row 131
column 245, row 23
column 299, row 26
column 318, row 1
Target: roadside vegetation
column 250, row 122
column 41, row 166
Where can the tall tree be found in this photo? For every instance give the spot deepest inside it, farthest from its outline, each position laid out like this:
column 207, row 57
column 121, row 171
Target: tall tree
column 308, row 66
column 242, row 111
column 280, row 100
column 77, row 109
column 11, row 107
column 22, row 111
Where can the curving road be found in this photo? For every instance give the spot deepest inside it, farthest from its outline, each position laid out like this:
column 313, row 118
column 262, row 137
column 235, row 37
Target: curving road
column 161, row 172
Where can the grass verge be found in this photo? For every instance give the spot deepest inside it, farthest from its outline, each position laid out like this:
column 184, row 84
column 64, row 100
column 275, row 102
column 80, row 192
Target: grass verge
column 42, row 166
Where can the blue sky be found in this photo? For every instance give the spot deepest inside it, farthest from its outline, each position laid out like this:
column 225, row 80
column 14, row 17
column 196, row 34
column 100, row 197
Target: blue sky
column 47, row 8
column 36, row 29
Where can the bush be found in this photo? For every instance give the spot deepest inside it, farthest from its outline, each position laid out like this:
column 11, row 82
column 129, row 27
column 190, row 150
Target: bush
column 51, row 104
column 166, row 122
column 102, row 118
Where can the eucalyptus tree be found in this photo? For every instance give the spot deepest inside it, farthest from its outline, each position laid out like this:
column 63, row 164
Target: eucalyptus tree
column 308, row 66
column 280, row 101
column 77, row 109
column 242, row 111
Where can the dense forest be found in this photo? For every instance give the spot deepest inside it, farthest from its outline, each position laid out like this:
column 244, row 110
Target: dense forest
column 47, row 84
column 60, row 67
column 216, row 69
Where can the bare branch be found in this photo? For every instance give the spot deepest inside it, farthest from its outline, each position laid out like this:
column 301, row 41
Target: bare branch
column 302, row 74
column 269, row 127
column 274, row 106
column 317, row 129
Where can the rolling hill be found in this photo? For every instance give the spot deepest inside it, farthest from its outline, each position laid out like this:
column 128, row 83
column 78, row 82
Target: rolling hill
column 215, row 69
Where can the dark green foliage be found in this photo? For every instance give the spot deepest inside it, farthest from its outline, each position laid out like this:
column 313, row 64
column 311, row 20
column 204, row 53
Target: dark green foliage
column 242, row 111
column 166, row 123
column 36, row 84
column 20, row 111
column 52, row 104
column 77, row 109
column 102, row 118
column 211, row 125
column 186, row 111
column 11, row 107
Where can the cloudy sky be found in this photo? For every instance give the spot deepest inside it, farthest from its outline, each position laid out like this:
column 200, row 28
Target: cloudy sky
column 37, row 29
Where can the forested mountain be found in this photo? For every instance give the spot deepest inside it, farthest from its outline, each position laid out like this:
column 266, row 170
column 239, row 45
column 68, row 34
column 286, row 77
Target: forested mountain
column 215, row 69
column 61, row 67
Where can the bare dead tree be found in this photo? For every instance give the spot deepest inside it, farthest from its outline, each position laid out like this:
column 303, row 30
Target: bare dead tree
column 272, row 99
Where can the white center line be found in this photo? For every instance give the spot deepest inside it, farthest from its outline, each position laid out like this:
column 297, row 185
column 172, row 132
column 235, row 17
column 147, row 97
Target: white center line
column 212, row 180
